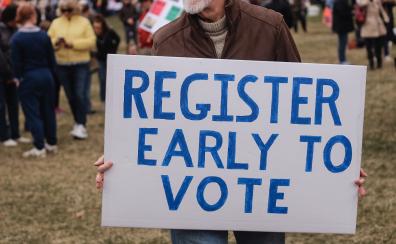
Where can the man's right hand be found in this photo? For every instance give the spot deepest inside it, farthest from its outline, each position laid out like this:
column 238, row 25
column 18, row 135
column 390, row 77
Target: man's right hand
column 102, row 168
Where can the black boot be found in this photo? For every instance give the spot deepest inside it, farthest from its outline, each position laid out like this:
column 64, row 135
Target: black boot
column 379, row 63
column 371, row 64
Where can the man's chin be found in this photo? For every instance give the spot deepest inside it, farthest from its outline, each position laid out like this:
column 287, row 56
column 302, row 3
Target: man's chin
column 197, row 7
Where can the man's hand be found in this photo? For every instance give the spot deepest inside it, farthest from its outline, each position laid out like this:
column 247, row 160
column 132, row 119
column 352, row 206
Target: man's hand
column 102, row 168
column 360, row 182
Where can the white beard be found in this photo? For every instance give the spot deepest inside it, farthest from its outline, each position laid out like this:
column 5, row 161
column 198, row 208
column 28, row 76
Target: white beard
column 195, row 6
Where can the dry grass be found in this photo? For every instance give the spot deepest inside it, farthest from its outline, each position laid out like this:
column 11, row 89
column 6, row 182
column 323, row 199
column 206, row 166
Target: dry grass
column 54, row 200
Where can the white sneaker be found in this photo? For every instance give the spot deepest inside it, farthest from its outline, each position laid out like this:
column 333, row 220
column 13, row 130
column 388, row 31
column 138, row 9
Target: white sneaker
column 24, row 140
column 80, row 132
column 388, row 59
column 10, row 143
column 51, row 148
column 34, row 152
column 74, row 128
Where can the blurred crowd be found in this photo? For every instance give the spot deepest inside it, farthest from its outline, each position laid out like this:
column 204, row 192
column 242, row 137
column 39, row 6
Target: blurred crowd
column 49, row 44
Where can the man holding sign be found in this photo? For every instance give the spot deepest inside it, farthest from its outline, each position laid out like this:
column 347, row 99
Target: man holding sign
column 226, row 29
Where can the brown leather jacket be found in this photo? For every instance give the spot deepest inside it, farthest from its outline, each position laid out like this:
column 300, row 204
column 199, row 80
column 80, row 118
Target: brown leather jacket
column 254, row 33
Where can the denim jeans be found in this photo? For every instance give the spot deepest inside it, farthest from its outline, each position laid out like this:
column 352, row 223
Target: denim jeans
column 9, row 105
column 36, row 93
column 74, row 79
column 221, row 237
column 342, row 44
column 87, row 92
column 102, row 79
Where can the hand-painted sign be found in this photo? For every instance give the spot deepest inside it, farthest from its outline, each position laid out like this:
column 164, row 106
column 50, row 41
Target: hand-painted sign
column 232, row 145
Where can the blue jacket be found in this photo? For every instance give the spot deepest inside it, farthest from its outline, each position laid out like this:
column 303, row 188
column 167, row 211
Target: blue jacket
column 31, row 49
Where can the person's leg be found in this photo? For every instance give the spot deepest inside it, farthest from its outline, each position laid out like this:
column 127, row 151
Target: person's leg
column 102, row 80
column 65, row 75
column 31, row 108
column 369, row 49
column 87, row 92
column 296, row 19
column 47, row 110
column 304, row 20
column 247, row 237
column 80, row 78
column 3, row 122
column 199, row 237
column 57, row 89
column 378, row 44
column 342, row 43
column 13, row 110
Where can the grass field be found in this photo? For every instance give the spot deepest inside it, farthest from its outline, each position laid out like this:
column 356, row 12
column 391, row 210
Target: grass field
column 55, row 201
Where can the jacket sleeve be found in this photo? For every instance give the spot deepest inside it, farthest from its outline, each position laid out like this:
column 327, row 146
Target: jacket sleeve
column 286, row 50
column 5, row 70
column 114, row 41
column 16, row 59
column 51, row 57
column 87, row 41
column 52, row 34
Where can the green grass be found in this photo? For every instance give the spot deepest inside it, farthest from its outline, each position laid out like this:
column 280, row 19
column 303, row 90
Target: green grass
column 55, row 201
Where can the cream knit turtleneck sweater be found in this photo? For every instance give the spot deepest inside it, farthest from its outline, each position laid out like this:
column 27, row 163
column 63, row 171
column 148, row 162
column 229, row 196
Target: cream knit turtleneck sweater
column 217, row 32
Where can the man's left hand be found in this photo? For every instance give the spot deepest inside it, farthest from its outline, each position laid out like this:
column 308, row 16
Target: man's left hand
column 359, row 182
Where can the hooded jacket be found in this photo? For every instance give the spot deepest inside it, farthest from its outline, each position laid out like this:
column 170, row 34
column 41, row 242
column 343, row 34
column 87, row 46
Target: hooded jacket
column 254, row 33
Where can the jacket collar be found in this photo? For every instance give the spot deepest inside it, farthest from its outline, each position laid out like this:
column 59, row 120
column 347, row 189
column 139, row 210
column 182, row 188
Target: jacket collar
column 231, row 11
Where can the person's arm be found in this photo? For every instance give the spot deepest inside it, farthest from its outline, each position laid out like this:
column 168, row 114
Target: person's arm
column 51, row 57
column 114, row 41
column 16, row 59
column 383, row 13
column 85, row 42
column 52, row 34
column 5, row 69
column 286, row 50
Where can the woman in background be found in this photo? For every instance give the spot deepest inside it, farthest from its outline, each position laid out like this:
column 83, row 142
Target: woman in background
column 33, row 63
column 373, row 30
column 342, row 25
column 107, row 41
column 73, row 38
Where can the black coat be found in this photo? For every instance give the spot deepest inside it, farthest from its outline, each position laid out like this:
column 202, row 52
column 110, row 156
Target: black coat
column 107, row 44
column 283, row 7
column 5, row 69
column 343, row 16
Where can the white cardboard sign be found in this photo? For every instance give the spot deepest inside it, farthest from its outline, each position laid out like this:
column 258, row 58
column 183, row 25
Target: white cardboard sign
column 232, row 145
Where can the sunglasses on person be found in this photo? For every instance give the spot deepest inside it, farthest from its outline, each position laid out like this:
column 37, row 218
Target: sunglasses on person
column 66, row 10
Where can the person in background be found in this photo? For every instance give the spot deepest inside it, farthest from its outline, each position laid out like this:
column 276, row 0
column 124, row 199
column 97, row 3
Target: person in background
column 342, row 25
column 300, row 12
column 9, row 103
column 107, row 41
column 373, row 30
column 86, row 10
column 73, row 39
column 88, row 13
column 145, row 37
column 390, row 35
column 283, row 7
column 129, row 16
column 33, row 62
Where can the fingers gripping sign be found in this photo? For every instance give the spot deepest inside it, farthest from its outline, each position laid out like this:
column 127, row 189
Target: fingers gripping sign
column 102, row 167
column 359, row 182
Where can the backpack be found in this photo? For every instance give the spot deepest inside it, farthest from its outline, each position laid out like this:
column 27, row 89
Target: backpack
column 360, row 14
